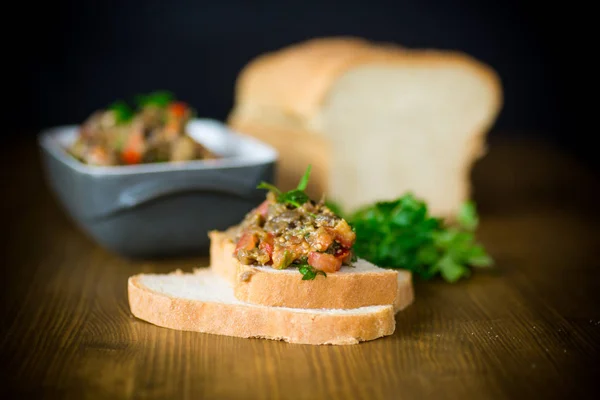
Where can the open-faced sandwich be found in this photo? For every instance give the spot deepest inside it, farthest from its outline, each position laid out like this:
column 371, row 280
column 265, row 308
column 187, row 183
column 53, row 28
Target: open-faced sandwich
column 288, row 272
column 154, row 131
column 291, row 238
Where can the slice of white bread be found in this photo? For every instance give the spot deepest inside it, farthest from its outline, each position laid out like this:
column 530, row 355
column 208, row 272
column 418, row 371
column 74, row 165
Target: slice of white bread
column 351, row 287
column 375, row 120
column 204, row 302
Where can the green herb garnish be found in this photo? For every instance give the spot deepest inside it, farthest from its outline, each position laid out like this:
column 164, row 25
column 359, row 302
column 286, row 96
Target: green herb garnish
column 467, row 216
column 304, row 180
column 309, row 273
column 122, row 111
column 295, row 197
column 401, row 234
column 161, row 98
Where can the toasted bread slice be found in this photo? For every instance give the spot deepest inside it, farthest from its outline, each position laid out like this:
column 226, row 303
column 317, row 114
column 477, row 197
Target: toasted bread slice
column 204, row 302
column 362, row 285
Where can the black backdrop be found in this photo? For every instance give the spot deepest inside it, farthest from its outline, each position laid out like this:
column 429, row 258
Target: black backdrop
column 77, row 56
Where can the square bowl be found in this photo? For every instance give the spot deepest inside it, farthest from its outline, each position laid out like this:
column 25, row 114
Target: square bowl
column 161, row 209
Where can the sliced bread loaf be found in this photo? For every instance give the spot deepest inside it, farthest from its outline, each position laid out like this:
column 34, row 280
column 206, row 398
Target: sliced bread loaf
column 351, row 287
column 375, row 120
column 204, row 302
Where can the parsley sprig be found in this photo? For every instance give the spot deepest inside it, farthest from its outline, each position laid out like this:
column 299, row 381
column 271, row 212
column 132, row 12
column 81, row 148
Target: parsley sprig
column 402, row 234
column 122, row 111
column 159, row 98
column 309, row 272
column 295, row 197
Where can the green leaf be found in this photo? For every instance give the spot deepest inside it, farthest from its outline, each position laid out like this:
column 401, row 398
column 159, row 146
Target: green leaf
column 161, row 98
column 450, row 270
column 427, row 254
column 401, row 234
column 309, row 273
column 122, row 111
column 295, row 197
column 467, row 216
column 304, row 180
column 268, row 186
column 478, row 257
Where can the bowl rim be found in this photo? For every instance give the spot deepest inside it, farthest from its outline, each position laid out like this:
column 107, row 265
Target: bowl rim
column 259, row 153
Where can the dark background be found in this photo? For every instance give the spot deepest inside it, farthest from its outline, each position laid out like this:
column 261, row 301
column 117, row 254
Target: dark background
column 85, row 54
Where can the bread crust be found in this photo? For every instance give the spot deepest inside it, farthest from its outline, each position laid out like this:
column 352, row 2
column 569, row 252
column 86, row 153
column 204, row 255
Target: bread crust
column 296, row 79
column 275, row 288
column 251, row 321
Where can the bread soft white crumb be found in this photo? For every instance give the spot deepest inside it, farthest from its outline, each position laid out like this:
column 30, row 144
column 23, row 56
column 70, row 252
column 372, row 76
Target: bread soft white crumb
column 206, row 286
column 358, row 267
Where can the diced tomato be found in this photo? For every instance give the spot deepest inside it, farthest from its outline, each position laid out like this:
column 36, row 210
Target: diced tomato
column 248, row 241
column 321, row 239
column 178, row 109
column 342, row 253
column 344, row 234
column 267, row 248
column 325, row 262
column 267, row 244
column 131, row 156
column 263, row 209
column 133, row 149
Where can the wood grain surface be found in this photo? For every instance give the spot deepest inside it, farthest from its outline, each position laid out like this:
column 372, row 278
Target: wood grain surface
column 529, row 329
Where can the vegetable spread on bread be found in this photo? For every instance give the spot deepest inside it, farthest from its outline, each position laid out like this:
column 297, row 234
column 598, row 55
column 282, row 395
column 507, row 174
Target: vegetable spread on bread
column 153, row 132
column 290, row 230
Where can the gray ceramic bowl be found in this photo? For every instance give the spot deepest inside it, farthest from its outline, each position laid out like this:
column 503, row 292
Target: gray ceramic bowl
column 165, row 209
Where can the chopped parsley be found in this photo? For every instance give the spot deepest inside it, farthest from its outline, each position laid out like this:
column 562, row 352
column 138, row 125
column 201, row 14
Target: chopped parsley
column 122, row 111
column 160, row 98
column 309, row 273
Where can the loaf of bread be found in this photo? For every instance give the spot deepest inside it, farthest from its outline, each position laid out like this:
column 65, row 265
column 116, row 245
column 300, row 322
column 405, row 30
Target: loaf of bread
column 375, row 120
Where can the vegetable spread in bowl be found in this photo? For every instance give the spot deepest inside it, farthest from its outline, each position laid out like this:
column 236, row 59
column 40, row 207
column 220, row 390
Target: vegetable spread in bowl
column 154, row 131
column 290, row 230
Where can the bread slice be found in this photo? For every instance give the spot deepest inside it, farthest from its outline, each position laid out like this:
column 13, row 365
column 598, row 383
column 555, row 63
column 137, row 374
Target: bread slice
column 381, row 119
column 351, row 287
column 204, row 302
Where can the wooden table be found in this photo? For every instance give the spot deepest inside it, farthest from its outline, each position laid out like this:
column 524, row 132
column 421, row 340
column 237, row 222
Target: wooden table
column 530, row 329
